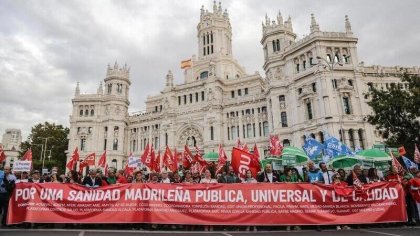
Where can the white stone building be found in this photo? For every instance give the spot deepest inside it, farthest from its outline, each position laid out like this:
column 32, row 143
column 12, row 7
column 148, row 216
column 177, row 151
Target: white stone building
column 12, row 138
column 310, row 85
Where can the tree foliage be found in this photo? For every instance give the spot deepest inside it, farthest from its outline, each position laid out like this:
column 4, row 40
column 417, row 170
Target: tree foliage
column 49, row 142
column 396, row 112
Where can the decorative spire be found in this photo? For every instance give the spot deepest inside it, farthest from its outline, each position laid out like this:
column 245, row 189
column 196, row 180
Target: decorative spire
column 288, row 23
column 100, row 90
column 279, row 19
column 169, row 79
column 202, row 10
column 220, row 7
column 226, row 14
column 314, row 24
column 77, row 90
column 267, row 20
column 116, row 65
column 348, row 25
column 214, row 7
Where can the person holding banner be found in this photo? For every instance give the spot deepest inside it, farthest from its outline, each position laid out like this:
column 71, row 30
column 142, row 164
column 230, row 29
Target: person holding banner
column 267, row 176
column 35, row 177
column 414, row 184
column 164, row 177
column 249, row 178
column 92, row 180
column 7, row 184
column 312, row 174
column 138, row 177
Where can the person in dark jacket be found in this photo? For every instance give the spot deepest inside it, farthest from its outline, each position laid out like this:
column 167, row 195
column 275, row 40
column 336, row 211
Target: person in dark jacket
column 358, row 171
column 92, row 180
column 268, row 176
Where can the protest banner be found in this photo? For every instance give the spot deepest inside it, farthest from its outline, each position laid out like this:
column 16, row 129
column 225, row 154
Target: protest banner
column 206, row 204
column 133, row 161
column 20, row 166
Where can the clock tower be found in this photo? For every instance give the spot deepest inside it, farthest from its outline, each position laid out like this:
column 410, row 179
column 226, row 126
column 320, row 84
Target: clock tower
column 214, row 33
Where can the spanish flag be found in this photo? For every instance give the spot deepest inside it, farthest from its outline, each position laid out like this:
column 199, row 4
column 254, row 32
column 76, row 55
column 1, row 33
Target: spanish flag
column 186, row 64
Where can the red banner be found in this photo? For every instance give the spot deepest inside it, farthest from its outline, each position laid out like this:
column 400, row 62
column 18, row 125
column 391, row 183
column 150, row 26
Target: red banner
column 205, row 204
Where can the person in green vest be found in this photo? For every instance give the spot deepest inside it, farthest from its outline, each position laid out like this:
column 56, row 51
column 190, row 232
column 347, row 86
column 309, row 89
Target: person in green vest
column 288, row 176
column 111, row 176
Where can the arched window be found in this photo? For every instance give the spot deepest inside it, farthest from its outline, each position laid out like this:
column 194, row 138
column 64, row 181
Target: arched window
column 92, row 112
column 82, row 143
column 283, row 119
column 278, row 44
column 109, row 88
column 274, row 46
column 313, row 135
column 336, row 58
column 286, row 143
column 191, row 98
column 86, row 112
column 166, row 138
column 81, row 113
column 211, row 128
column 134, row 146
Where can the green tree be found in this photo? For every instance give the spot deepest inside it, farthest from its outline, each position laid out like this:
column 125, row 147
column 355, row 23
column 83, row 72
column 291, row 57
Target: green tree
column 396, row 112
column 49, row 143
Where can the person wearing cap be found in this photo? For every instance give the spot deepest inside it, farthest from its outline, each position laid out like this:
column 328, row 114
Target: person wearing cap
column 35, row 177
column 23, row 177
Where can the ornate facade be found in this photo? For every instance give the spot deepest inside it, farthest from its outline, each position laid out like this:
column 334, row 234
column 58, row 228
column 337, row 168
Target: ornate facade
column 310, row 85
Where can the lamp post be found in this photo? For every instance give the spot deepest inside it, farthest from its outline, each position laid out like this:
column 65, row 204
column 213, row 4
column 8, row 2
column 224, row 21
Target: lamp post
column 331, row 65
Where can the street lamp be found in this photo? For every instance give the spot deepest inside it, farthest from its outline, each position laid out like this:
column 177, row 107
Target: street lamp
column 331, row 65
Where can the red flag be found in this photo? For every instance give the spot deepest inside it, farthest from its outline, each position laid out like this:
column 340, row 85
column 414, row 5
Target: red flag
column 188, row 158
column 90, row 159
column 106, row 170
column 396, row 164
column 242, row 161
column 356, row 182
column 256, row 158
column 178, row 157
column 245, row 148
column 275, row 146
column 169, row 160
column 28, row 155
column 2, row 155
column 128, row 171
column 238, row 144
column 416, row 154
column 82, row 165
column 73, row 160
column 199, row 158
column 102, row 160
column 401, row 151
column 222, row 159
column 156, row 161
column 147, row 158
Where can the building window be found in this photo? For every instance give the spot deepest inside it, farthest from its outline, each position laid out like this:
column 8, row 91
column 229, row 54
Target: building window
column 297, row 68
column 249, row 131
column 314, row 87
column 166, row 138
column 239, row 92
column 248, row 111
column 202, row 96
column 361, row 139
column 92, row 112
column 233, row 132
column 204, row 75
column 246, row 91
column 351, row 138
column 264, row 109
column 311, row 61
column 286, row 143
column 259, row 128
column 321, row 137
column 115, row 144
column 278, row 44
column 232, row 93
column 346, row 104
column 86, row 112
column 309, row 110
column 196, row 97
column 83, row 144
column 282, row 98
column 243, row 131
column 274, row 46
column 329, row 59
column 304, row 65
column 81, row 113
column 346, row 59
column 265, row 129
column 211, row 133
column 336, row 58
column 228, row 133
column 179, row 100
column 334, row 83
column 283, row 119
column 185, row 99
column 157, row 142
column 134, row 146
column 351, row 82
column 191, row 98
column 104, row 144
column 109, row 88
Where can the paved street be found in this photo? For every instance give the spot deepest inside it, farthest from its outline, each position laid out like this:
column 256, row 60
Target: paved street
column 408, row 231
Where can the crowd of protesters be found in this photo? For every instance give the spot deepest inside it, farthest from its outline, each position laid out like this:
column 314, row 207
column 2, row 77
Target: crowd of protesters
column 311, row 173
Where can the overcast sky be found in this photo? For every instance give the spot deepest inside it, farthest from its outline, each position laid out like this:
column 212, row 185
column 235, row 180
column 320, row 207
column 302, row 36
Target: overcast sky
column 46, row 47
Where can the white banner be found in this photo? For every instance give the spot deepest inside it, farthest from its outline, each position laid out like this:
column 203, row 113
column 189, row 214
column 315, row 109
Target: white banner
column 133, row 161
column 20, row 166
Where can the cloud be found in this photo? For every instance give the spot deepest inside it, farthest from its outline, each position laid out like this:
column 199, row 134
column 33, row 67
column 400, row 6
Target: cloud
column 48, row 46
